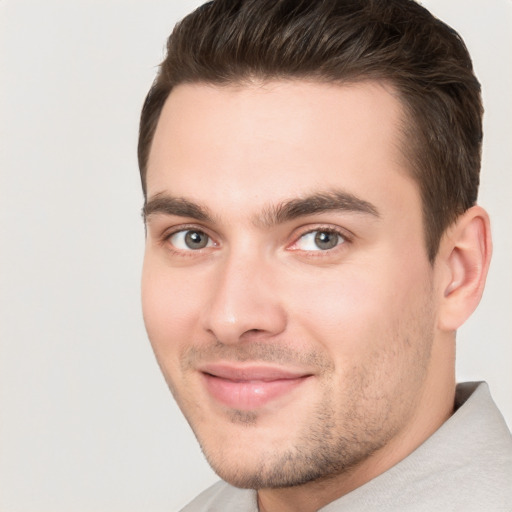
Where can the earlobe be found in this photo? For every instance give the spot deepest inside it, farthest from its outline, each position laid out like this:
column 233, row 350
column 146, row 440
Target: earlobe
column 464, row 254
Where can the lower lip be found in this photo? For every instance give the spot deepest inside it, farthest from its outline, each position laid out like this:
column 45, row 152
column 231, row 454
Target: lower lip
column 251, row 394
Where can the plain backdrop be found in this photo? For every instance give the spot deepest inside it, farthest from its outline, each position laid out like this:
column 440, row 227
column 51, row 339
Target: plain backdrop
column 86, row 421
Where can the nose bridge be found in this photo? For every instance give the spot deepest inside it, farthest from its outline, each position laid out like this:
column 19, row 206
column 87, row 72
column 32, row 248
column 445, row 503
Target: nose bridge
column 243, row 299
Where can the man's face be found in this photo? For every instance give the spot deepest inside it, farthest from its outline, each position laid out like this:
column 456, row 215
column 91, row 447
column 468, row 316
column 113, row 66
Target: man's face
column 286, row 288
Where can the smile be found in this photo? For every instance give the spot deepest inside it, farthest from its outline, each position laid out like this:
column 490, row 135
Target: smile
column 247, row 388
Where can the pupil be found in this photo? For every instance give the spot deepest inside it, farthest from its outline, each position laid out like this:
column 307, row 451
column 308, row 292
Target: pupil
column 196, row 240
column 325, row 240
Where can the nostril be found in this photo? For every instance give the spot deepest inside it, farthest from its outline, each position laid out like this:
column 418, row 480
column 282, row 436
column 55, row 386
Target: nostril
column 252, row 333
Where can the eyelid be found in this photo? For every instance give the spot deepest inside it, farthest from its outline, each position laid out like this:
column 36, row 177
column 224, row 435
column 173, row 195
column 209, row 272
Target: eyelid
column 179, row 240
column 170, row 232
column 176, row 228
column 346, row 235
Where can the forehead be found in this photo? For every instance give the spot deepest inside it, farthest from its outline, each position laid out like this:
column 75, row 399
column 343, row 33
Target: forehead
column 248, row 144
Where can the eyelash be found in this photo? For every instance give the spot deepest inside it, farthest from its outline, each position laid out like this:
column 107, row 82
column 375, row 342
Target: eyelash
column 166, row 237
column 346, row 237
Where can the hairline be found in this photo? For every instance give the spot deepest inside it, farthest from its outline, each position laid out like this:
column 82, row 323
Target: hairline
column 405, row 128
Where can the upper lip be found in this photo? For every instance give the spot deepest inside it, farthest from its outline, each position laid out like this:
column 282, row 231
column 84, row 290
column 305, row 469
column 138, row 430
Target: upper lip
column 253, row 372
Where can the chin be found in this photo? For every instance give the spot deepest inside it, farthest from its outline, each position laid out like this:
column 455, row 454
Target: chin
column 247, row 459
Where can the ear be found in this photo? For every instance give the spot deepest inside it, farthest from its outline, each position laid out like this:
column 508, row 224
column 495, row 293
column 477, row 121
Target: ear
column 463, row 258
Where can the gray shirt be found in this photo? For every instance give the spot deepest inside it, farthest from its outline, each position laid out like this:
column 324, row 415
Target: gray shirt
column 466, row 465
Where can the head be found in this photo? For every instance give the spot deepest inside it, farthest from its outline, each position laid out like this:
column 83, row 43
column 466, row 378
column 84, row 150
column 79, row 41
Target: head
column 310, row 171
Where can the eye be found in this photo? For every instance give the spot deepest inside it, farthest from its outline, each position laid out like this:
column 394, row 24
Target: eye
column 190, row 240
column 319, row 240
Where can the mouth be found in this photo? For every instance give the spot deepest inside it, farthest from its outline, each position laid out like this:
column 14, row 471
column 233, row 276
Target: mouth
column 250, row 387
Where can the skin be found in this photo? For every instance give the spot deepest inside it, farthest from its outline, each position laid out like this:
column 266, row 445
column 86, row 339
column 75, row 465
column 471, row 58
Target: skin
column 367, row 324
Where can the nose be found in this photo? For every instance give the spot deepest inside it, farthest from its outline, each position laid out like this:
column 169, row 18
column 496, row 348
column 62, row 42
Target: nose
column 244, row 302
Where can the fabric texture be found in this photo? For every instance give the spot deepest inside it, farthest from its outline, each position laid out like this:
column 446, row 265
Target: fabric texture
column 466, row 465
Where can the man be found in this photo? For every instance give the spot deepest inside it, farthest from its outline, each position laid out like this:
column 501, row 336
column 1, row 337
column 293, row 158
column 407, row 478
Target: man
column 310, row 171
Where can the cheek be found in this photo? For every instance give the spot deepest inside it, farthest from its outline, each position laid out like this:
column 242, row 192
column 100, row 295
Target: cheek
column 378, row 336
column 337, row 305
column 168, row 308
column 356, row 310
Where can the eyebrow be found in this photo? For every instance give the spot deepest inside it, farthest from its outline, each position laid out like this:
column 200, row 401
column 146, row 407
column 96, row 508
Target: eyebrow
column 315, row 204
column 272, row 215
column 179, row 206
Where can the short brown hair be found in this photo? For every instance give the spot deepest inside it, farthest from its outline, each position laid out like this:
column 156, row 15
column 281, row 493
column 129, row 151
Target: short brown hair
column 233, row 41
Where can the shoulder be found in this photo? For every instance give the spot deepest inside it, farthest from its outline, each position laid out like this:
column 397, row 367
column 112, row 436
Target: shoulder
column 222, row 497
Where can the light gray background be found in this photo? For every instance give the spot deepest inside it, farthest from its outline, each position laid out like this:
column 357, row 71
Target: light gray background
column 86, row 421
